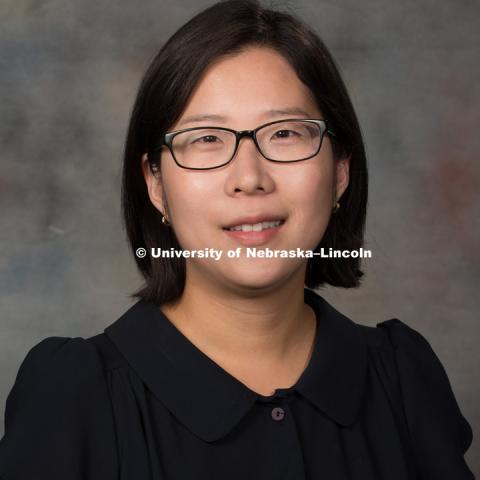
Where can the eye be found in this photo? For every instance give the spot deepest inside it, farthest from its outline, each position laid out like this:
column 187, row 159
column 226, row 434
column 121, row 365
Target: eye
column 285, row 134
column 206, row 139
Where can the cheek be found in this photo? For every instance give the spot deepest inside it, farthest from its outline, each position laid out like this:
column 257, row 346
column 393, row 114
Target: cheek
column 310, row 196
column 188, row 203
column 188, row 195
column 311, row 190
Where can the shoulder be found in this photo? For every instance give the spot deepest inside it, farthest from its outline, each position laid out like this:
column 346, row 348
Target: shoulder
column 55, row 357
column 415, row 356
column 434, row 419
column 59, row 407
column 60, row 367
column 393, row 334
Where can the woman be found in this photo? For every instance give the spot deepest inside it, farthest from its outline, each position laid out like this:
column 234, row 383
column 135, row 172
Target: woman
column 242, row 135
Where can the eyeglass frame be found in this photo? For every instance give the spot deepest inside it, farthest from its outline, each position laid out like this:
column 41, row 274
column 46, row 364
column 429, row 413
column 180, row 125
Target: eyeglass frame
column 239, row 134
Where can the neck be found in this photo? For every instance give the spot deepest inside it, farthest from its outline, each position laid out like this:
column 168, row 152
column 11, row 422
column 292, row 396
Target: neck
column 249, row 334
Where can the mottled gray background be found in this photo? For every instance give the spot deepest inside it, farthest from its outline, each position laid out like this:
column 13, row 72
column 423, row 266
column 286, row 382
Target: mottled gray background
column 69, row 73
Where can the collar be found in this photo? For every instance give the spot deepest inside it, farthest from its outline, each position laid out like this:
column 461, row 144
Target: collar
column 208, row 400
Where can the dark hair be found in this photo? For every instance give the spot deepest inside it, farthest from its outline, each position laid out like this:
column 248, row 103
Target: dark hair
column 227, row 28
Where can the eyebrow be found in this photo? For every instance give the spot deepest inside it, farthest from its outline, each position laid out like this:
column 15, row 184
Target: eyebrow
column 220, row 118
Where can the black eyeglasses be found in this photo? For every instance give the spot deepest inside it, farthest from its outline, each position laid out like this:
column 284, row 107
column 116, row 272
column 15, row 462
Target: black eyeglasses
column 205, row 148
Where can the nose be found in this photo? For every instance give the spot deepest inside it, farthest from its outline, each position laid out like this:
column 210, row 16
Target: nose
column 248, row 170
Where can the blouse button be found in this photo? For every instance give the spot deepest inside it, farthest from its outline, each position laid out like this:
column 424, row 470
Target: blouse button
column 278, row 413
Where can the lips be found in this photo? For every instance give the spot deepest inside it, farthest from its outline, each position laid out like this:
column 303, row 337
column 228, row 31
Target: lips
column 254, row 238
column 252, row 220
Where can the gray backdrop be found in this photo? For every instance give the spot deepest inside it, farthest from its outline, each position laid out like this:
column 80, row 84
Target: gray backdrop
column 69, row 73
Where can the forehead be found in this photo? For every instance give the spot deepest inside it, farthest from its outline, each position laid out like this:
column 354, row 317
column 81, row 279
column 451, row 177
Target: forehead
column 248, row 85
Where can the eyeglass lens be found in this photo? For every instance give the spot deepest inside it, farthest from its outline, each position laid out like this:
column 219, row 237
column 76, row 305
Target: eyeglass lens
column 281, row 141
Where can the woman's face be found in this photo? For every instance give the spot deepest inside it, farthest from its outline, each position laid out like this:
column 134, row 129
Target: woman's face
column 199, row 204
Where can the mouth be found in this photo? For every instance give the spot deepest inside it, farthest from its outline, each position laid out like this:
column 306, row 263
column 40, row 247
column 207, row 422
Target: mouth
column 255, row 227
column 255, row 234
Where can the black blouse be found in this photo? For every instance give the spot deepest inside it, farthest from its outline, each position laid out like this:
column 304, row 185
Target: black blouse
column 141, row 402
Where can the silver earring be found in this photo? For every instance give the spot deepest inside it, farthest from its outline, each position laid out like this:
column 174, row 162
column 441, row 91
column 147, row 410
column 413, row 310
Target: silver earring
column 336, row 207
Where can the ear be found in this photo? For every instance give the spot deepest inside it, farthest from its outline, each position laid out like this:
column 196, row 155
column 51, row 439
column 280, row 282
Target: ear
column 154, row 185
column 342, row 177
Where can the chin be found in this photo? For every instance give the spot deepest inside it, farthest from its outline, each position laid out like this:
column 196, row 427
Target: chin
column 263, row 276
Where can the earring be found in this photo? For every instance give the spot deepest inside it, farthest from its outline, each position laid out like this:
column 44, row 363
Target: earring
column 336, row 207
column 165, row 221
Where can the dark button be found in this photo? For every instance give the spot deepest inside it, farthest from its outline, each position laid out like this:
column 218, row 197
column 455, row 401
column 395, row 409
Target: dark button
column 278, row 413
